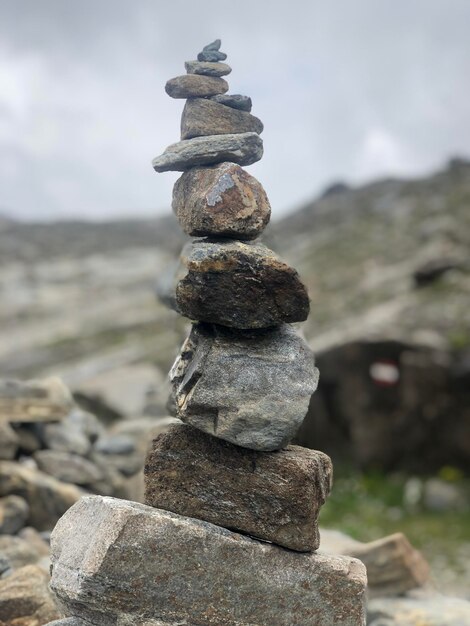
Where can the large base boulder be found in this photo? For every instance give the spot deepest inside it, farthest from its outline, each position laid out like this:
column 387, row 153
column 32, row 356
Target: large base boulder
column 117, row 562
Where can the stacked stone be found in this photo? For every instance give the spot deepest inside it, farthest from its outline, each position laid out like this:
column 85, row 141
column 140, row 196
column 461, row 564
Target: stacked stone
column 231, row 504
column 244, row 378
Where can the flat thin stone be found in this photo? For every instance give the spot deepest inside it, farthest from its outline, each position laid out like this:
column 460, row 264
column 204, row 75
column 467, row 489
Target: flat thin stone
column 223, row 200
column 212, row 56
column 203, row 117
column 238, row 284
column 251, row 389
column 234, row 100
column 119, row 562
column 244, row 149
column 207, row 69
column 195, row 86
column 272, row 496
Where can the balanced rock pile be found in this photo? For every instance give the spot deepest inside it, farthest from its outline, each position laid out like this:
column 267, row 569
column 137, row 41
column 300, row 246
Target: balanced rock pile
column 229, row 529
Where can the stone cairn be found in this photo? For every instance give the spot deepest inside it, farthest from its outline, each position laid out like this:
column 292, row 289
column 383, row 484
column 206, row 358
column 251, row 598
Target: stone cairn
column 230, row 528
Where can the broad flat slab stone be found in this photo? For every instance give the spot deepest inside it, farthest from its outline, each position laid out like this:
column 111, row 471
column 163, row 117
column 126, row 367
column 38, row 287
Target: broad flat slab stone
column 275, row 496
column 223, row 200
column 238, row 284
column 241, row 148
column 195, row 86
column 183, row 571
column 207, row 69
column 203, row 117
column 251, row 389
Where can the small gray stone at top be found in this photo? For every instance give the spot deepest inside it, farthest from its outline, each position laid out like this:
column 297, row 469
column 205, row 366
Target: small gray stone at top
column 211, row 52
column 215, row 45
column 234, row 100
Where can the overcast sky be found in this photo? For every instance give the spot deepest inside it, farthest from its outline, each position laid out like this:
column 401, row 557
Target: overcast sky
column 347, row 90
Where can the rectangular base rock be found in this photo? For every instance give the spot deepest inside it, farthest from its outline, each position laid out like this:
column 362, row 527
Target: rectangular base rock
column 117, row 562
column 275, row 496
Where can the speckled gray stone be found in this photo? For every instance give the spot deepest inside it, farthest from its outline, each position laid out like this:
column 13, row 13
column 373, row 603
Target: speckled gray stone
column 234, row 100
column 238, row 284
column 244, row 149
column 119, row 562
column 206, row 117
column 251, row 389
column 207, row 69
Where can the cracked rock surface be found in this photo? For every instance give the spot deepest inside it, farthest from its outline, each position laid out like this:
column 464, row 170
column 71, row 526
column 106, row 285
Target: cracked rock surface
column 251, row 389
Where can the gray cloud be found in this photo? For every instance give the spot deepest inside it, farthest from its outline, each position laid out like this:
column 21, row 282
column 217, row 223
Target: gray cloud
column 347, row 90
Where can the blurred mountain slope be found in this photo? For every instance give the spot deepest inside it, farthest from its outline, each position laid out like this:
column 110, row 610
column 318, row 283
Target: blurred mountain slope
column 388, row 260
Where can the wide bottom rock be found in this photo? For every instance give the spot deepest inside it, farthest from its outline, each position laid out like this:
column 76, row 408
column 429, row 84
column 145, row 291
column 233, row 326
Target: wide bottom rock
column 117, row 562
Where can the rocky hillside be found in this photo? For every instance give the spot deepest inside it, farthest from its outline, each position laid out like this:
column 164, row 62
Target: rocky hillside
column 389, row 260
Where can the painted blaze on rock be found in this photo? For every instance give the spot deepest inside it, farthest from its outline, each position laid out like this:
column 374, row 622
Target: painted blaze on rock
column 251, row 389
column 240, row 285
column 184, row 571
column 274, row 496
column 223, row 201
